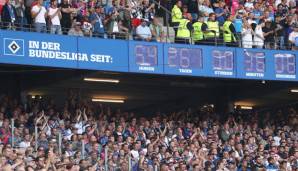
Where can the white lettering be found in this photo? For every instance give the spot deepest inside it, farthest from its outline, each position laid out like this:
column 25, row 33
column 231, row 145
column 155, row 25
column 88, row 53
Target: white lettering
column 50, row 46
column 33, row 44
column 227, row 73
column 101, row 58
column 185, row 71
column 285, row 76
column 144, row 68
column 251, row 74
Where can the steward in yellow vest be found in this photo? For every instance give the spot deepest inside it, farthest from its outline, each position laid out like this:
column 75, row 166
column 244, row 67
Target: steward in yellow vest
column 184, row 31
column 212, row 34
column 229, row 32
column 176, row 15
column 176, row 12
column 199, row 28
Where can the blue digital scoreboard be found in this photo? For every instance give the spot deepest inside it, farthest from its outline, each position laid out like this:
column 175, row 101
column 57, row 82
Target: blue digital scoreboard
column 252, row 63
column 183, row 60
column 222, row 62
column 285, row 65
column 145, row 57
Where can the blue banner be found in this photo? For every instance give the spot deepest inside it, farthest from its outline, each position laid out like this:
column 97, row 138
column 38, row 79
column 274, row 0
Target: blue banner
column 145, row 57
column 103, row 54
column 39, row 49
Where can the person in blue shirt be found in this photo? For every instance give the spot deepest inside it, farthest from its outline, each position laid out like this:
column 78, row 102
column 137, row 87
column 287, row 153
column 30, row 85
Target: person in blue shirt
column 220, row 13
column 271, row 166
column 98, row 20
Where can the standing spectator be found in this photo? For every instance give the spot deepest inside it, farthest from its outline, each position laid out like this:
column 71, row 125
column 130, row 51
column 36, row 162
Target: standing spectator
column 206, row 9
column 293, row 37
column 55, row 16
column 156, row 30
column 28, row 16
column 193, row 9
column 148, row 10
column 76, row 30
column 220, row 13
column 98, row 21
column 280, row 33
column 66, row 11
column 246, row 34
column 8, row 15
column 39, row 14
column 143, row 31
column 269, row 34
column 21, row 19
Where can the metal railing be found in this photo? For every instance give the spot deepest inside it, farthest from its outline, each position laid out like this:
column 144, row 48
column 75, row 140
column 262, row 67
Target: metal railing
column 217, row 41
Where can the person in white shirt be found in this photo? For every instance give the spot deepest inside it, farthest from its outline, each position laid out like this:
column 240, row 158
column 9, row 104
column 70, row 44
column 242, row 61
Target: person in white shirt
column 247, row 33
column 143, row 31
column 39, row 14
column 258, row 38
column 55, row 16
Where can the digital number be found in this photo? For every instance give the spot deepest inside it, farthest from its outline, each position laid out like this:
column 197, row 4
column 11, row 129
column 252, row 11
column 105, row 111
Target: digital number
column 184, row 58
column 254, row 61
column 285, row 64
column 146, row 55
column 223, row 60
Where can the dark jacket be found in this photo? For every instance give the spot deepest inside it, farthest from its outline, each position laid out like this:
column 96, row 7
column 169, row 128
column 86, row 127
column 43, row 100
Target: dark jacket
column 5, row 16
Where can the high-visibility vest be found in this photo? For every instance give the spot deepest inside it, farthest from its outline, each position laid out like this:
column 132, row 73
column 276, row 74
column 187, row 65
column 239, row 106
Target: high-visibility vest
column 197, row 33
column 227, row 33
column 183, row 31
column 212, row 26
column 176, row 14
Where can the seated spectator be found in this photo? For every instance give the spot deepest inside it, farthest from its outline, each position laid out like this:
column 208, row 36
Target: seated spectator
column 156, row 30
column 39, row 14
column 143, row 31
column 55, row 16
column 86, row 27
column 8, row 15
column 76, row 30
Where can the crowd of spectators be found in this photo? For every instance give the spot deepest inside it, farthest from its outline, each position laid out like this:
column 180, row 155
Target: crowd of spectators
column 95, row 137
column 257, row 23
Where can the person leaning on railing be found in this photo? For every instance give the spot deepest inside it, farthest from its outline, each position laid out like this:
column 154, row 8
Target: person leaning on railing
column 184, row 30
column 212, row 34
column 229, row 32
